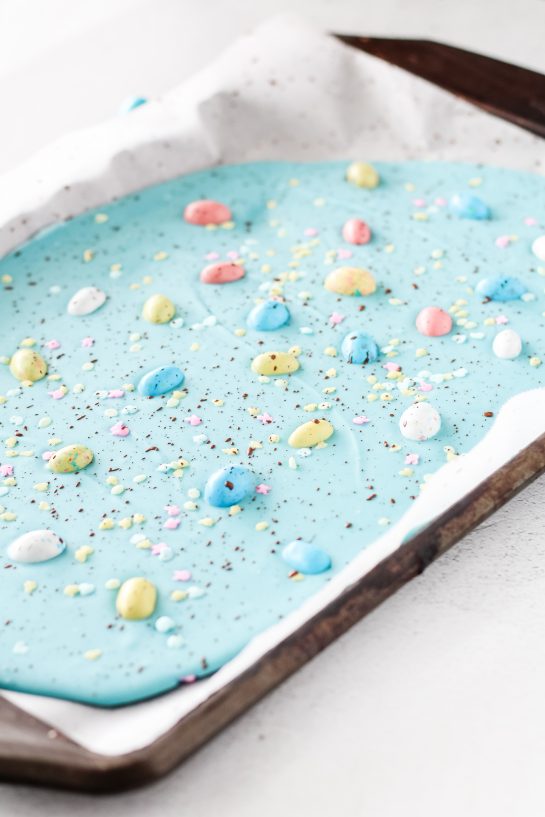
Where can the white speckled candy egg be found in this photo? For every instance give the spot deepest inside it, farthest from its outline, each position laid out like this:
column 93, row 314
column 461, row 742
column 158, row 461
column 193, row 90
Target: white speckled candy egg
column 35, row 546
column 507, row 344
column 420, row 422
column 538, row 247
column 86, row 301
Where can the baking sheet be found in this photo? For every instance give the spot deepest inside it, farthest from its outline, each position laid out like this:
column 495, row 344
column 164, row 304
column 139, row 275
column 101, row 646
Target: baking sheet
column 284, row 92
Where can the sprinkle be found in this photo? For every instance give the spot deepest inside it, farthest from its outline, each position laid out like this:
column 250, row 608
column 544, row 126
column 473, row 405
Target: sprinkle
column 120, row 430
column 360, row 420
column 412, row 459
column 193, row 420
column 181, row 575
column 262, row 526
column 265, row 418
column 336, row 318
column 92, row 655
column 263, row 489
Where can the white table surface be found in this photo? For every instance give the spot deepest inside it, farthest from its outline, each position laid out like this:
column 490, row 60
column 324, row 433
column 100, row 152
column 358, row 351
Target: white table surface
column 434, row 704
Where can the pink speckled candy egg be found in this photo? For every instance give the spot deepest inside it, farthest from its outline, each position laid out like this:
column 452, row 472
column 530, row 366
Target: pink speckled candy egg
column 222, row 273
column 433, row 322
column 207, row 211
column 356, row 231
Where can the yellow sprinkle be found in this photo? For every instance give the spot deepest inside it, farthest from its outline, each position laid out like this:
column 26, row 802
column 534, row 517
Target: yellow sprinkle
column 420, row 216
column 112, row 584
column 421, row 352
column 30, row 586
column 88, row 255
column 160, row 256
column 372, row 397
column 101, row 218
column 111, row 480
column 41, row 486
column 28, row 342
column 44, row 506
column 106, row 524
column 83, row 553
column 125, row 523
column 138, row 518
column 406, row 472
column 9, row 482
column 330, row 351
column 535, row 361
column 143, row 544
column 234, row 509
column 195, row 347
column 71, row 590
column 92, row 655
column 8, row 516
column 217, row 402
column 310, row 407
column 262, row 526
column 178, row 595
column 208, row 522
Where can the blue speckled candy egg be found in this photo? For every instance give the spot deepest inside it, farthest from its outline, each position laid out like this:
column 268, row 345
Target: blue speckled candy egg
column 306, row 558
column 501, row 288
column 268, row 316
column 160, row 381
column 357, row 347
column 229, row 486
column 466, row 205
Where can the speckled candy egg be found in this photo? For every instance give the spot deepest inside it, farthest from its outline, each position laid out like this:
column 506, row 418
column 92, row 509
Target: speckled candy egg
column 507, row 344
column 70, row 459
column 207, row 211
column 501, row 288
column 28, row 365
column 362, row 174
column 359, row 348
column 306, row 558
column 466, row 205
column 35, row 546
column 229, row 486
column 160, row 381
column 356, row 231
column 350, row 281
column 421, row 421
column 538, row 247
column 136, row 599
column 222, row 273
column 158, row 309
column 268, row 316
column 433, row 322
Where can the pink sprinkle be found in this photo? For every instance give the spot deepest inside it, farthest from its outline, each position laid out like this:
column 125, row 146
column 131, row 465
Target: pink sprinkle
column 530, row 221
column 189, row 679
column 501, row 320
column 116, row 393
column 336, row 318
column 212, row 256
column 193, row 420
column 181, row 575
column 412, row 459
column 360, row 420
column 342, row 252
column 52, row 344
column 87, row 342
column 120, row 430
column 171, row 523
column 232, row 254
column 502, row 241
column 172, row 510
column 263, row 489
column 157, row 549
column 419, row 202
column 47, row 455
column 58, row 394
column 265, row 418
column 392, row 367
column 440, row 202
column 310, row 231
column 6, row 470
column 425, row 386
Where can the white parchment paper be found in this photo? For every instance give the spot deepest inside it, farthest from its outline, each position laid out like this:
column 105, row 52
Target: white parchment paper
column 284, row 92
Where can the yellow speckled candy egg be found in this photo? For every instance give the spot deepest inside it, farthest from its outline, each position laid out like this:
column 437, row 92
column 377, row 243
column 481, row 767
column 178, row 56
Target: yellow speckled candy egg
column 350, row 281
column 311, row 433
column 136, row 599
column 158, row 309
column 275, row 363
column 28, row 365
column 71, row 458
column 362, row 174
